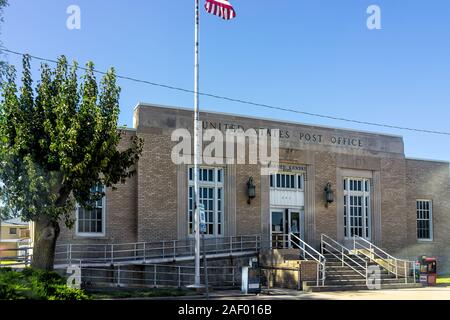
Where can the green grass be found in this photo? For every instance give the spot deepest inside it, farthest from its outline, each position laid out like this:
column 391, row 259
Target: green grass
column 107, row 294
column 443, row 279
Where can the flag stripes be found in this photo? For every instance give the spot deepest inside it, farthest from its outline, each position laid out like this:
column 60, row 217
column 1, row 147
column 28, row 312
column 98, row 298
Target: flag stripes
column 220, row 8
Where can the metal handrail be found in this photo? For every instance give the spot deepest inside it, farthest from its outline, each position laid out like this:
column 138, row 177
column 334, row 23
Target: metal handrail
column 341, row 249
column 321, row 261
column 308, row 246
column 17, row 260
column 120, row 252
column 164, row 242
column 16, row 249
column 379, row 249
column 158, row 275
column 341, row 246
column 389, row 258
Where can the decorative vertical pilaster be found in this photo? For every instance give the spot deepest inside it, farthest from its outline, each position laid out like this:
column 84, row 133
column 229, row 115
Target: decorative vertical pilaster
column 182, row 201
column 376, row 212
column 230, row 200
column 265, row 211
column 310, row 205
column 339, row 198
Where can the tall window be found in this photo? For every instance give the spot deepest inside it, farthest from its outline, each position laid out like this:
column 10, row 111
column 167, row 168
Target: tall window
column 91, row 222
column 288, row 181
column 357, row 208
column 211, row 196
column 424, row 219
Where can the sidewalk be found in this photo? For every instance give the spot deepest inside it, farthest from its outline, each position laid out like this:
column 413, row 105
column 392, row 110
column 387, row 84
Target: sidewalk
column 428, row 293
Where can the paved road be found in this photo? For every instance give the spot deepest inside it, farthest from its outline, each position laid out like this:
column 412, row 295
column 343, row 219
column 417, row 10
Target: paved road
column 435, row 293
column 428, row 293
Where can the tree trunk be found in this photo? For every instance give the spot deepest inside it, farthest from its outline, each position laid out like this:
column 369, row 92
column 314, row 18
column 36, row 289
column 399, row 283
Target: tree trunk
column 46, row 234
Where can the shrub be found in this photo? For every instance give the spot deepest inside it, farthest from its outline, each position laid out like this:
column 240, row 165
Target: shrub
column 63, row 292
column 11, row 284
column 36, row 285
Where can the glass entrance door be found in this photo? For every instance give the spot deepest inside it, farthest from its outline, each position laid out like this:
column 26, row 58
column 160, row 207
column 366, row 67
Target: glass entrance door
column 283, row 223
column 294, row 227
column 278, row 223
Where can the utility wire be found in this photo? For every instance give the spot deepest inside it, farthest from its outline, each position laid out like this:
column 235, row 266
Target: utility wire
column 247, row 102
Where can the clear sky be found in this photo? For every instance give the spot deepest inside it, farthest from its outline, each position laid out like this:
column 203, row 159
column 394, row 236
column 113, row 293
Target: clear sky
column 311, row 55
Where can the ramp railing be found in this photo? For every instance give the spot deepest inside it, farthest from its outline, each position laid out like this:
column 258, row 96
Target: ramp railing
column 343, row 255
column 308, row 252
column 398, row 267
column 153, row 252
column 16, row 257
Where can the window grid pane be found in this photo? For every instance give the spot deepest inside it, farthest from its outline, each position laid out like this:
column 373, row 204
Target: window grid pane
column 211, row 196
column 424, row 216
column 345, row 216
column 286, row 181
column 91, row 221
column 356, row 207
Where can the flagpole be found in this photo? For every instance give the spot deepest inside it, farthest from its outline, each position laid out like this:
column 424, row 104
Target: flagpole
column 196, row 148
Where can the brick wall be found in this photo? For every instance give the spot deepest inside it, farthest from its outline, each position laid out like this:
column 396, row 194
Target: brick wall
column 282, row 268
column 393, row 204
column 145, row 208
column 248, row 216
column 121, row 211
column 326, row 218
column 157, row 189
column 427, row 180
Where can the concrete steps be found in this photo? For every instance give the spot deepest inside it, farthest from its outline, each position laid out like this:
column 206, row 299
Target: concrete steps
column 344, row 278
column 361, row 281
column 337, row 276
column 328, row 288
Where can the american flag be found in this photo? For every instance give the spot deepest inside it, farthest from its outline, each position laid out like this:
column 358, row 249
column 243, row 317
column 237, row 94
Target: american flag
column 221, row 8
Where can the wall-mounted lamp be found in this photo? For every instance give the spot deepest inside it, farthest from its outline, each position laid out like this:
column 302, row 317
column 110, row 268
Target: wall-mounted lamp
column 251, row 190
column 329, row 194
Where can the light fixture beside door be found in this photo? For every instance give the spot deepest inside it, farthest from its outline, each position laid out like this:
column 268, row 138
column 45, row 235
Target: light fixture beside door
column 329, row 194
column 251, row 190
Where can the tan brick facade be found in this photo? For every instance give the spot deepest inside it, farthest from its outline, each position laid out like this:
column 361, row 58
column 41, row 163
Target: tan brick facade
column 121, row 209
column 429, row 181
column 157, row 190
column 152, row 206
column 248, row 222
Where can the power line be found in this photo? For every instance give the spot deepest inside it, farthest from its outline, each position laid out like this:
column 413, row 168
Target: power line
column 247, row 102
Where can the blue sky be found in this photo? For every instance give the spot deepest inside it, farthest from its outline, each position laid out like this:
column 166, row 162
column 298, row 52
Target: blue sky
column 311, row 55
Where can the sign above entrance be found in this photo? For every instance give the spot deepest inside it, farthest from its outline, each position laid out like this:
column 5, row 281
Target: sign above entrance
column 283, row 167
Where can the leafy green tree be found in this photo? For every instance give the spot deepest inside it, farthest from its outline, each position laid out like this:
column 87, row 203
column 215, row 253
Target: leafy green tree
column 56, row 143
column 4, row 212
column 3, row 4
